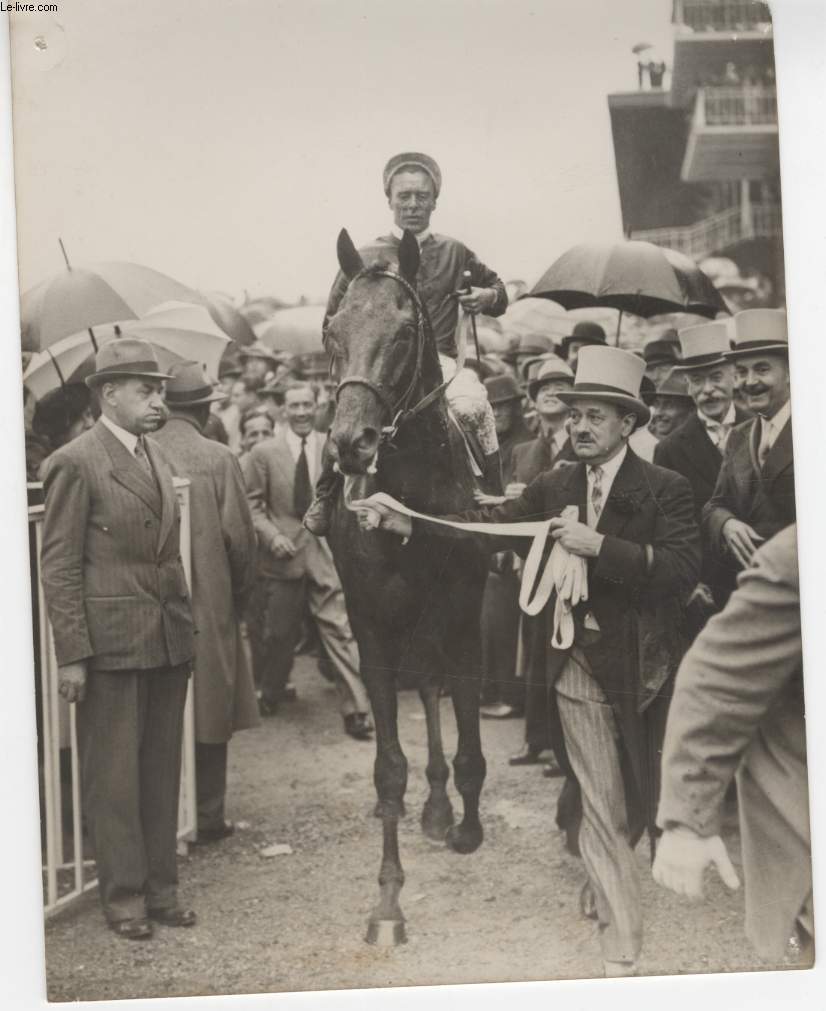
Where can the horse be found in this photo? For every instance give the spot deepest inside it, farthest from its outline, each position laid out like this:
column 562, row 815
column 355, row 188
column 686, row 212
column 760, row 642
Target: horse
column 415, row 609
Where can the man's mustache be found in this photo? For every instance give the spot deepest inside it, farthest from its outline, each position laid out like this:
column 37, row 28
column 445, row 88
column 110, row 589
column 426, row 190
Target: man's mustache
column 755, row 391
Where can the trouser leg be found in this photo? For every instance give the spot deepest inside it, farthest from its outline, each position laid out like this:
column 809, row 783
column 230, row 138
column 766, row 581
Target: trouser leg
column 160, row 781
column 211, row 780
column 282, row 626
column 107, row 723
column 591, row 740
column 328, row 610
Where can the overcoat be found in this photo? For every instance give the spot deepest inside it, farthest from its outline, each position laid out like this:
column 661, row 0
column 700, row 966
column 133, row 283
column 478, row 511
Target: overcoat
column 223, row 569
column 648, row 562
column 738, row 704
column 111, row 564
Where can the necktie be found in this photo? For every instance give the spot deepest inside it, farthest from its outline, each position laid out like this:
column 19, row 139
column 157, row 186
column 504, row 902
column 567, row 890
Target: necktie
column 596, row 490
column 143, row 459
column 302, row 491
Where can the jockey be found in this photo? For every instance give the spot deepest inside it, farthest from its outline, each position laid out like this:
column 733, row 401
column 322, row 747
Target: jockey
column 412, row 183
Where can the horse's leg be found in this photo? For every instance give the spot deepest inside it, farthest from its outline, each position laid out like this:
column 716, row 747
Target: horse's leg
column 469, row 764
column 437, row 813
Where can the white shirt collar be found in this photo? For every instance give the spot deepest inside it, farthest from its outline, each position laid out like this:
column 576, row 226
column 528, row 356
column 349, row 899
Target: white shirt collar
column 729, row 419
column 609, row 470
column 420, row 237
column 127, row 438
column 559, row 438
column 778, row 422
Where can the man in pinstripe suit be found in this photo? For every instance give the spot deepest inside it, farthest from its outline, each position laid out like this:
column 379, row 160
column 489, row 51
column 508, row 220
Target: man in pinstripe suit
column 123, row 632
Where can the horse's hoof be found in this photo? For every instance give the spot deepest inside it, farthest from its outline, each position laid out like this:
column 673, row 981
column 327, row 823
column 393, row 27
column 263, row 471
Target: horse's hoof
column 437, row 819
column 386, row 933
column 398, row 811
column 462, row 839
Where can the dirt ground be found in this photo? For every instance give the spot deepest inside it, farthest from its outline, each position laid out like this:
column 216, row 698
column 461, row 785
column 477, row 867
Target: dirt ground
column 297, row 921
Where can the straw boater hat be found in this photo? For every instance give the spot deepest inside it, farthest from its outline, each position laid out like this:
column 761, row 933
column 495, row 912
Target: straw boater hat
column 125, row 358
column 190, row 386
column 759, row 331
column 611, row 375
column 586, row 333
column 552, row 368
column 703, row 345
column 414, row 160
column 501, row 389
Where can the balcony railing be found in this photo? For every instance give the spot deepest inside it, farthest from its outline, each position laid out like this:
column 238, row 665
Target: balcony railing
column 737, row 105
column 723, row 15
column 67, row 871
column 718, row 232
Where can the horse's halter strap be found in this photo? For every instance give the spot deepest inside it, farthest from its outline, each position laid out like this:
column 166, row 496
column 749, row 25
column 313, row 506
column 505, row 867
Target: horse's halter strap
column 399, row 411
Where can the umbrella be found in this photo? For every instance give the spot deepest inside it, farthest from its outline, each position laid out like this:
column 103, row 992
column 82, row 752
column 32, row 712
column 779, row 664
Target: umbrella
column 176, row 331
column 228, row 318
column 296, row 330
column 535, row 316
column 631, row 276
column 79, row 298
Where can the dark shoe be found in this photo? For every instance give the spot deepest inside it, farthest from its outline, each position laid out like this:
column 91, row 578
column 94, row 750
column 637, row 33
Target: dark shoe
column 213, row 835
column 138, row 929
column 498, row 711
column 358, row 726
column 318, row 516
column 266, row 708
column 174, row 917
column 529, row 755
column 552, row 770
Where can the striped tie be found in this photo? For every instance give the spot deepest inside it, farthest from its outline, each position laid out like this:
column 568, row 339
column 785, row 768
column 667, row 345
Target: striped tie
column 596, row 490
column 142, row 458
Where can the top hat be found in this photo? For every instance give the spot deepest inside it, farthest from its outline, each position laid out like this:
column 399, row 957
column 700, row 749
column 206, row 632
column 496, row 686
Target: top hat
column 190, row 386
column 660, row 352
column 414, row 160
column 126, row 358
column 759, row 331
column 585, row 333
column 501, row 389
column 611, row 375
column 675, row 384
column 703, row 345
column 258, row 350
column 552, row 367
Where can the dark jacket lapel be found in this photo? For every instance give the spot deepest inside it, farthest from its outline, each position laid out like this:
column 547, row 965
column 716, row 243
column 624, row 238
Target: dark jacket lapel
column 700, row 452
column 628, row 484
column 165, row 487
column 780, row 455
column 128, row 472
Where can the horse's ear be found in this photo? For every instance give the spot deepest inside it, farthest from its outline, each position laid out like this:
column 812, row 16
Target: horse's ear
column 349, row 258
column 409, row 257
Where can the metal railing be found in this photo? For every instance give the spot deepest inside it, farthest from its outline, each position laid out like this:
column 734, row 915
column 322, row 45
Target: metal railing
column 67, row 874
column 737, row 105
column 723, row 15
column 716, row 233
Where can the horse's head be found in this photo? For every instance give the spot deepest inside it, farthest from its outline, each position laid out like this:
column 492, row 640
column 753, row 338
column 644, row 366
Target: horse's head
column 378, row 339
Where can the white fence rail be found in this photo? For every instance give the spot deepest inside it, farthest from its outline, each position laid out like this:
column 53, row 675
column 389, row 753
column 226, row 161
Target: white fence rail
column 716, row 233
column 67, row 872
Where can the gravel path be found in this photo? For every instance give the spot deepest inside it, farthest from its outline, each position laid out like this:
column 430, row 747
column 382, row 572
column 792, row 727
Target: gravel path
column 296, row 922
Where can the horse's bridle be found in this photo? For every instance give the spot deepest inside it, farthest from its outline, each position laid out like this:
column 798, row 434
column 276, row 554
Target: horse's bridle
column 400, row 411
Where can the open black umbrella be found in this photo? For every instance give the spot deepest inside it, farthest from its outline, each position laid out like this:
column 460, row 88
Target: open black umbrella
column 635, row 277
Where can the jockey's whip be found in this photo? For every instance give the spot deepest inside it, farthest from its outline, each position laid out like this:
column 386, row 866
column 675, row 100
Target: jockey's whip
column 468, row 286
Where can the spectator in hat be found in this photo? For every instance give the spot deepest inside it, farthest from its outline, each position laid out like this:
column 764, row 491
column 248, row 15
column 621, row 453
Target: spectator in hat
column 584, row 334
column 660, row 357
column 642, row 441
column 754, row 495
column 672, row 405
column 259, row 363
column 506, row 400
column 450, row 279
column 123, row 633
column 531, row 347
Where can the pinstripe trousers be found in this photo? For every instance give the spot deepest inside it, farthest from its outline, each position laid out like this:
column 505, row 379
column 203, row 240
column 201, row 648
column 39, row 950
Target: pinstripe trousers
column 592, row 743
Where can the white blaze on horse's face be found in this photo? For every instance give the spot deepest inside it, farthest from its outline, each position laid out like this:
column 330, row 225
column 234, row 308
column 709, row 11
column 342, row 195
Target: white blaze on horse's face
column 412, row 199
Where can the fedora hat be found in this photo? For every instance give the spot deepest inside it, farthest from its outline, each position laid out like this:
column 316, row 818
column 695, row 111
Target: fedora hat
column 703, row 345
column 258, row 350
column 414, row 160
column 502, row 389
column 759, row 331
column 674, row 385
column 660, row 352
column 586, row 333
column 126, row 358
column 190, row 386
column 611, row 375
column 552, row 367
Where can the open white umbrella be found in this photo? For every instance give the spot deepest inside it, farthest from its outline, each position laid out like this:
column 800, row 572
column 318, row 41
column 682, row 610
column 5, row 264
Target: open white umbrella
column 178, row 332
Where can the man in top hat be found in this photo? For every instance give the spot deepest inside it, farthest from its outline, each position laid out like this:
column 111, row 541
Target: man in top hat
column 754, row 495
column 696, row 448
column 637, row 532
column 660, row 357
column 222, row 573
column 671, row 405
column 585, row 334
column 123, row 632
column 412, row 184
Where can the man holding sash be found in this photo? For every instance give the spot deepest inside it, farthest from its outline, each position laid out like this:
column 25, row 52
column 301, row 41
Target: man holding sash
column 637, row 537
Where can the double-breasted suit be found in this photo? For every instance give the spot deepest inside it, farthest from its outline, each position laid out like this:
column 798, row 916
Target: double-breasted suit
column 289, row 585
column 117, row 598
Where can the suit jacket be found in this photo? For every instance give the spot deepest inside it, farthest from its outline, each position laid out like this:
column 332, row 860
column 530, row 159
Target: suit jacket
column 223, row 570
column 530, row 459
column 111, row 565
column 269, row 471
column 738, row 702
column 762, row 498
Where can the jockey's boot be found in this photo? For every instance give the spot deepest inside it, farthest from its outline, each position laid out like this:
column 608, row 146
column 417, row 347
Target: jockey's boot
column 318, row 516
column 491, row 479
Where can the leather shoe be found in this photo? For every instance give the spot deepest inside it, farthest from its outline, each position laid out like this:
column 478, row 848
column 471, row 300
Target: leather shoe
column 358, row 726
column 552, row 770
column 136, row 929
column 213, row 835
column 529, row 755
column 174, row 917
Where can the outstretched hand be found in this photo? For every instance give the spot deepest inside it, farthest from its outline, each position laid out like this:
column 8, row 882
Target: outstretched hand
column 682, row 857
column 373, row 515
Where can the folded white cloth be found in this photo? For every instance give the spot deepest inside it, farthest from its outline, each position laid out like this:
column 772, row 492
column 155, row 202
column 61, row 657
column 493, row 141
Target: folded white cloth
column 570, row 579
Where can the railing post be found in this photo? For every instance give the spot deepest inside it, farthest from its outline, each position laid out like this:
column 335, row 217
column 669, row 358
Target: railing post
column 187, row 803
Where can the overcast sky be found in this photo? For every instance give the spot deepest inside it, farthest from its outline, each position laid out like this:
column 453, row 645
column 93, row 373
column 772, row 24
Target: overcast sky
column 227, row 143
